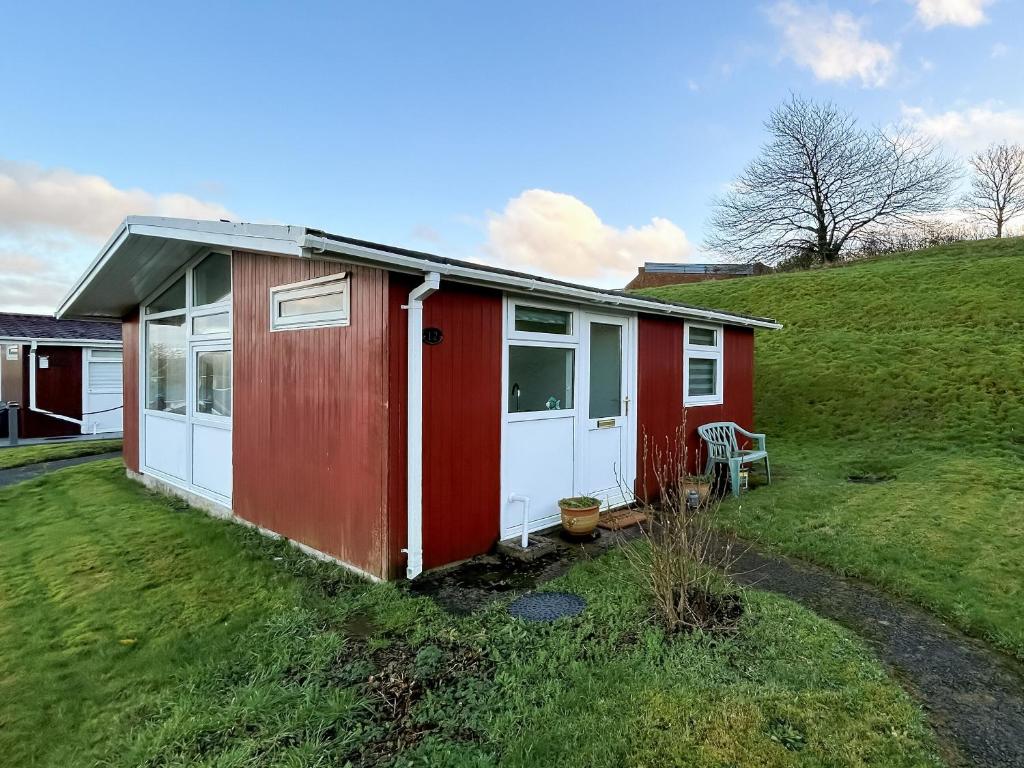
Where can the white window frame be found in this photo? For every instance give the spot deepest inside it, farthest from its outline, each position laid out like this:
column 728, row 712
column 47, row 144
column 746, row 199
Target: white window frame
column 554, row 339
column 704, row 352
column 319, row 286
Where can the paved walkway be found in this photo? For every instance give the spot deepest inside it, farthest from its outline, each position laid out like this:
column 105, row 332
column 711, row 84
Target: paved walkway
column 974, row 696
column 27, row 472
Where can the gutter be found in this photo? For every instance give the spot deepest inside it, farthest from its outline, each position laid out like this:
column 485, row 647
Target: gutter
column 525, row 284
column 414, row 423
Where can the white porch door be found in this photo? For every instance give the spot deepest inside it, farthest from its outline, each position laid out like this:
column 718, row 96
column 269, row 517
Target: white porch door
column 606, row 465
column 211, row 418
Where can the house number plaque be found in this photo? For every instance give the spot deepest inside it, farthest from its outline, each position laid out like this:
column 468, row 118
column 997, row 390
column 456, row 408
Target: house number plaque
column 432, row 336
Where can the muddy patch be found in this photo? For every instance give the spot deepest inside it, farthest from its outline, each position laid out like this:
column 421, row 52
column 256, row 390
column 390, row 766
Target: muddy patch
column 415, row 693
column 869, row 478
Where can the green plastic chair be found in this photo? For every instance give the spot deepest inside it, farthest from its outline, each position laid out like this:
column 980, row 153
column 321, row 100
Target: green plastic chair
column 723, row 448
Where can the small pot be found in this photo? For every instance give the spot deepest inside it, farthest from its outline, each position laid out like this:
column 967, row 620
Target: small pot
column 580, row 522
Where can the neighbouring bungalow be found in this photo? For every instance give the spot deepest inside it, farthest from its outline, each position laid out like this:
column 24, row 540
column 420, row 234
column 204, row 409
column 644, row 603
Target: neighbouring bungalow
column 65, row 375
column 387, row 408
column 655, row 274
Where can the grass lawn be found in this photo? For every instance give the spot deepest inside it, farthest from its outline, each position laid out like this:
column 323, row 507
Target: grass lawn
column 910, row 367
column 33, row 454
column 135, row 631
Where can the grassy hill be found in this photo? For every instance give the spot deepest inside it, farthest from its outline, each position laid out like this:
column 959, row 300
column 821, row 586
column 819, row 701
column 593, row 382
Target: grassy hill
column 911, row 368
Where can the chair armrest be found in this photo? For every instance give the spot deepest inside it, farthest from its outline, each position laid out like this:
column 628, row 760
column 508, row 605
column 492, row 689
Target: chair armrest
column 760, row 437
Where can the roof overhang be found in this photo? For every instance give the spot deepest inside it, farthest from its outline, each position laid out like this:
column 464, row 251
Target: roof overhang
column 146, row 251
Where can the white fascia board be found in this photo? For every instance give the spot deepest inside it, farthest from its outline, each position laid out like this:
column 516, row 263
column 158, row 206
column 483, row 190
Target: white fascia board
column 107, row 343
column 271, row 238
column 527, row 285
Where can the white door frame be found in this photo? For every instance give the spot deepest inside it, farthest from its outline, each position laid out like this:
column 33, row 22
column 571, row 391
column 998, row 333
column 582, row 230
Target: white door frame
column 579, row 341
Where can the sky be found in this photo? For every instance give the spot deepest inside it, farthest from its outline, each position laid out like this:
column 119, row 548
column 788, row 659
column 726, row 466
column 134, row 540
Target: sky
column 573, row 139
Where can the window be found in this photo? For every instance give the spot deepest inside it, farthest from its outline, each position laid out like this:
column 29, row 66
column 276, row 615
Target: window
column 702, row 365
column 104, row 371
column 540, row 379
column 219, row 322
column 172, row 298
column 165, row 364
column 605, row 370
column 542, row 320
column 213, row 382
column 211, row 280
column 311, row 304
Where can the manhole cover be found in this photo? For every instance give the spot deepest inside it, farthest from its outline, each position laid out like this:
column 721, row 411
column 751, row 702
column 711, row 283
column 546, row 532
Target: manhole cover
column 547, row 606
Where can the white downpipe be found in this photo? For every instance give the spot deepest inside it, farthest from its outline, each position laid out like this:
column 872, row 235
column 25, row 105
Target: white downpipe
column 414, row 423
column 524, row 540
column 32, row 389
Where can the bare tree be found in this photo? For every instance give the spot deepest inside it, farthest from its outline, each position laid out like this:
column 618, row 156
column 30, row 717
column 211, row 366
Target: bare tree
column 997, row 185
column 821, row 181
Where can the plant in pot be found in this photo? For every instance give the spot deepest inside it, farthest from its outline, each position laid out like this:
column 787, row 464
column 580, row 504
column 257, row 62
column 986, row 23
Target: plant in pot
column 701, row 484
column 580, row 514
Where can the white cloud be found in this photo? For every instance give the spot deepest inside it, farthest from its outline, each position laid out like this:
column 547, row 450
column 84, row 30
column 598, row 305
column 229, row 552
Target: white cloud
column 970, row 129
column 1000, row 50
column 52, row 221
column 832, row 45
column 957, row 13
column 559, row 235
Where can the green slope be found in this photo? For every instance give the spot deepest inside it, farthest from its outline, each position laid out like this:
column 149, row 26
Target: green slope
column 910, row 366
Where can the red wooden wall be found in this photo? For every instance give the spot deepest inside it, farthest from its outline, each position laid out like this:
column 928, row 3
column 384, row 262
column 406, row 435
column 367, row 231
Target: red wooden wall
column 310, row 421
column 130, row 328
column 660, row 392
column 461, row 422
column 58, row 389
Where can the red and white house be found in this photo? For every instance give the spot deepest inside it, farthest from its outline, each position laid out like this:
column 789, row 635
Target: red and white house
column 390, row 408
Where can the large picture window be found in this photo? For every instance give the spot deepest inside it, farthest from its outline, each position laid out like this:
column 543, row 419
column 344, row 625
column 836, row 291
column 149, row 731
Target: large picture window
column 702, row 365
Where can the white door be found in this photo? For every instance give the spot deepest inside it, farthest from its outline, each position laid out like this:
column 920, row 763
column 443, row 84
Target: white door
column 539, row 452
column 102, row 390
column 211, row 418
column 606, row 466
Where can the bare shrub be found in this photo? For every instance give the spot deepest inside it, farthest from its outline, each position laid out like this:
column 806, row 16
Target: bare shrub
column 683, row 562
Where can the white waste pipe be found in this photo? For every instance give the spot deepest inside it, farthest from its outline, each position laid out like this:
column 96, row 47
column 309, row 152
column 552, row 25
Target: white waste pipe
column 32, row 390
column 524, row 540
column 414, row 424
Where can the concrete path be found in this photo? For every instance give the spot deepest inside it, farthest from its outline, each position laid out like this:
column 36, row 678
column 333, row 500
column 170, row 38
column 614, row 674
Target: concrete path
column 973, row 695
column 27, row 472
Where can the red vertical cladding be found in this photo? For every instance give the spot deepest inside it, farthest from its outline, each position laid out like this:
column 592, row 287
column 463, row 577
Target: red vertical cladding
column 659, row 397
column 461, row 423
column 130, row 338
column 310, row 423
column 660, row 391
column 398, row 294
column 58, row 389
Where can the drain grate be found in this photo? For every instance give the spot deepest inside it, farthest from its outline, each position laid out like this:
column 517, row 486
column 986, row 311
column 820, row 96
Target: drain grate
column 547, row 606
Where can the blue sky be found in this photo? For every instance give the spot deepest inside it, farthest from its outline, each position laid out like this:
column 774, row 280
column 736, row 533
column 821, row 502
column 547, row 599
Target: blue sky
column 571, row 138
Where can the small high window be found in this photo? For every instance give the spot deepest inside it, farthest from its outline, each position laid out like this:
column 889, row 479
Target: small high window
column 316, row 303
column 211, row 280
column 703, row 378
column 172, row 298
column 543, row 320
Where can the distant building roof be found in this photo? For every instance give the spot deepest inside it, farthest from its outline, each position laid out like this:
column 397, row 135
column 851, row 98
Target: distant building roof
column 698, row 269
column 14, row 325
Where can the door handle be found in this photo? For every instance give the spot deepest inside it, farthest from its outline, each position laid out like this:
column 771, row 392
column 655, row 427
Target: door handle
column 626, row 401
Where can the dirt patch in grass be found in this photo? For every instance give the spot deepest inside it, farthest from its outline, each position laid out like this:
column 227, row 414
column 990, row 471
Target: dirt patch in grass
column 870, row 478
column 400, row 688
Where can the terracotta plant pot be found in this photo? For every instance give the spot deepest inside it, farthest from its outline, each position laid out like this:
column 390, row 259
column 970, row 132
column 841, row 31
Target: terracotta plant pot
column 580, row 522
